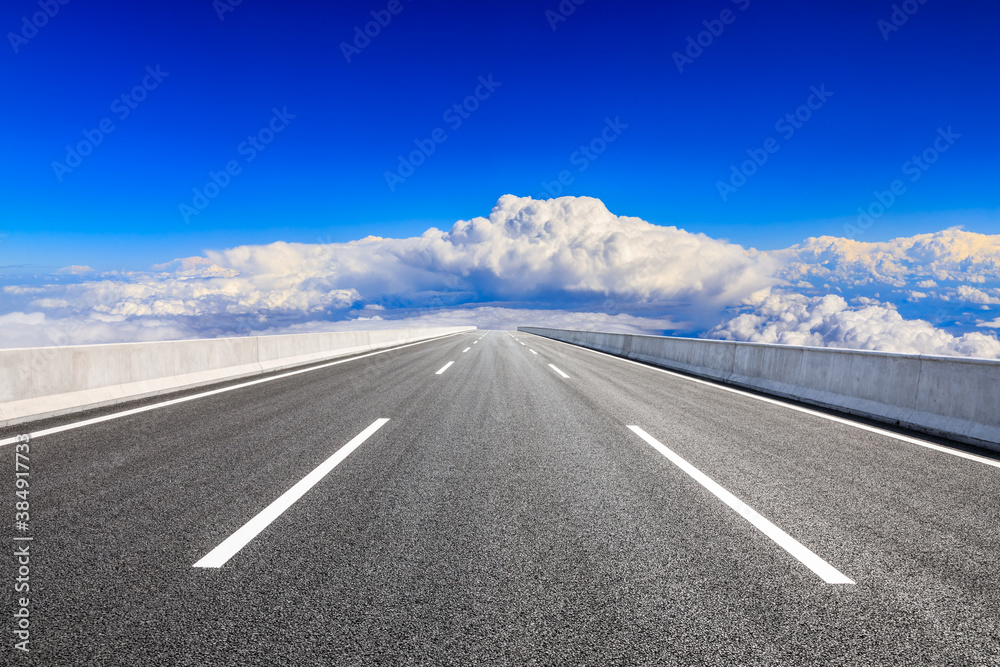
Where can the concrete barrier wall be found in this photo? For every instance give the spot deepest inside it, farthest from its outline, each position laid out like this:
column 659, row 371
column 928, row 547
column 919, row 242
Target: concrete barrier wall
column 43, row 382
column 953, row 397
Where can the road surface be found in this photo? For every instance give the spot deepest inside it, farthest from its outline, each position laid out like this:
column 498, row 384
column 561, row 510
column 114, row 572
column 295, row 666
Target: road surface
column 502, row 499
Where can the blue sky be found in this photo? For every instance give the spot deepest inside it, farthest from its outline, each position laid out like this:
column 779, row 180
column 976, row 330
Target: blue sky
column 323, row 176
column 202, row 168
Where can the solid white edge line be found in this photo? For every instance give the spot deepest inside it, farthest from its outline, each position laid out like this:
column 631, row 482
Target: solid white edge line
column 218, row 556
column 184, row 399
column 558, row 371
column 466, row 350
column 446, row 367
column 824, row 570
column 773, row 401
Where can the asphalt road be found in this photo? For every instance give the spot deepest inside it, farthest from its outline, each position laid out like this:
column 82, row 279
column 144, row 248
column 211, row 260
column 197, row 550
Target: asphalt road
column 505, row 514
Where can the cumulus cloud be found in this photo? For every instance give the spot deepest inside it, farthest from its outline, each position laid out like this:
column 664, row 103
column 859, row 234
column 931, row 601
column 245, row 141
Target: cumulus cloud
column 560, row 254
column 828, row 321
column 949, row 255
column 973, row 295
column 948, row 278
column 566, row 262
column 570, row 250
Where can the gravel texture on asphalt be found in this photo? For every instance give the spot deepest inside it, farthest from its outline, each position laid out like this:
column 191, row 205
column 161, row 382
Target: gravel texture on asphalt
column 504, row 516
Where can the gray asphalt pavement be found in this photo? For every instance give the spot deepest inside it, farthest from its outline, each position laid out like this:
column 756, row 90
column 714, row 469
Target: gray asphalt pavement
column 505, row 515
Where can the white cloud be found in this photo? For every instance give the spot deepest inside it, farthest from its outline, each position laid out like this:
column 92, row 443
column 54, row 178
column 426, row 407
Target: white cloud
column 868, row 301
column 794, row 319
column 559, row 250
column 949, row 255
column 559, row 254
column 973, row 295
column 565, row 262
column 209, row 291
column 39, row 330
column 50, row 303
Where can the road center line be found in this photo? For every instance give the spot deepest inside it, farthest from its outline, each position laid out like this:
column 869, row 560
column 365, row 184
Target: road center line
column 558, row 371
column 466, row 350
column 532, row 351
column 444, row 368
column 218, row 556
column 824, row 570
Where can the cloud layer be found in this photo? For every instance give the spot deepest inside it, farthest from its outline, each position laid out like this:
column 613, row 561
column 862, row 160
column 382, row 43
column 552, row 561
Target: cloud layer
column 952, row 255
column 561, row 262
column 570, row 251
column 828, row 321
